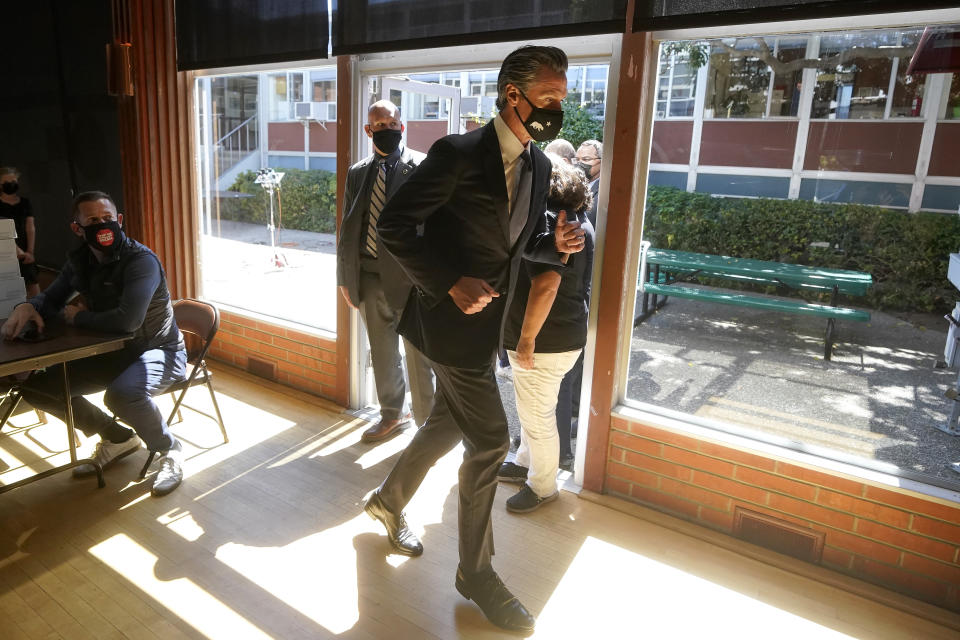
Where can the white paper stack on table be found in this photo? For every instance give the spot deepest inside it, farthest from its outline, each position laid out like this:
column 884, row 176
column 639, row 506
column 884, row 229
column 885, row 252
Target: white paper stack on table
column 12, row 289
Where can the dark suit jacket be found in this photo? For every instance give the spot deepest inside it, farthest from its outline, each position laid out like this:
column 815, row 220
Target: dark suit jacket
column 360, row 178
column 459, row 195
column 592, row 212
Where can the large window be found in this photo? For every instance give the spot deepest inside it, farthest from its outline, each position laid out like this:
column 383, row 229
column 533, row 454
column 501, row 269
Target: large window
column 269, row 247
column 859, row 75
column 863, row 75
column 952, row 101
column 754, row 77
column 793, row 282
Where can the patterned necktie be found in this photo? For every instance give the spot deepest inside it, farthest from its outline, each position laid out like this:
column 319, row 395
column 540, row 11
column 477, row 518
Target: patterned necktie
column 378, row 197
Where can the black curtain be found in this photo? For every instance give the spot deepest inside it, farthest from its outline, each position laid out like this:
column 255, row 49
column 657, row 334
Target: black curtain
column 58, row 126
column 682, row 14
column 226, row 33
column 363, row 26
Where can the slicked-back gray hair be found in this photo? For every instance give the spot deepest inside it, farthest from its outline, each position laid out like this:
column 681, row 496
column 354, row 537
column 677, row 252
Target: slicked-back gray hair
column 597, row 146
column 562, row 148
column 521, row 67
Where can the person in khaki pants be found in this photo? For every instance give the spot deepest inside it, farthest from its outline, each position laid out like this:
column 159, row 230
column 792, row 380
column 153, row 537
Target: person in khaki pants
column 545, row 332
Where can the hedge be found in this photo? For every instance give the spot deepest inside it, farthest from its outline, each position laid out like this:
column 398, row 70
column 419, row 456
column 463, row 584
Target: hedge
column 906, row 253
column 308, row 201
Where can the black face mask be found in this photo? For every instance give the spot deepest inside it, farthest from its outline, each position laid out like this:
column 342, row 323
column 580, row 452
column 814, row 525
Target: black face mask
column 105, row 237
column 541, row 124
column 586, row 168
column 387, row 140
column 10, row 188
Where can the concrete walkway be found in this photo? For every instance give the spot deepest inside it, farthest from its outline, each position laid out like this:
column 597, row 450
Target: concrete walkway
column 878, row 398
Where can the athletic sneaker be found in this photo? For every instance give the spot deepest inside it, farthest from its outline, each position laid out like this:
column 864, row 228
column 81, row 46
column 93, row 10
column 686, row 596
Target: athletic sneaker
column 510, row 472
column 106, row 453
column 525, row 500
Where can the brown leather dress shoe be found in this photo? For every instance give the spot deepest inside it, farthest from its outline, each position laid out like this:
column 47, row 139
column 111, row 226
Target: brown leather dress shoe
column 383, row 430
column 501, row 607
column 399, row 534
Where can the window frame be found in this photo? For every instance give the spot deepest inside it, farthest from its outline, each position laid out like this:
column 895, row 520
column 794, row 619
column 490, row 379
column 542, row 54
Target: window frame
column 712, row 429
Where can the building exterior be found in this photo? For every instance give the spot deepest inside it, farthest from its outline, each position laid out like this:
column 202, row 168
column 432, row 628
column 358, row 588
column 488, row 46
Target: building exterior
column 830, row 116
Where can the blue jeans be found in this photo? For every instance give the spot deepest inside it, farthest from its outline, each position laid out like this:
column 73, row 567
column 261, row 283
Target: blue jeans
column 130, row 380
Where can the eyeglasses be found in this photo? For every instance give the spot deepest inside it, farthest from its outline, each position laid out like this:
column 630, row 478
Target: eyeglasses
column 588, row 159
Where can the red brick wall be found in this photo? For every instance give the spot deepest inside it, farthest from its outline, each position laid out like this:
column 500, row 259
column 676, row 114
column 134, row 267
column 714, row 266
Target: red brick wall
column 733, row 143
column 900, row 541
column 285, row 136
column 323, row 137
column 943, row 156
column 857, row 145
column 303, row 361
column 671, row 141
column 421, row 134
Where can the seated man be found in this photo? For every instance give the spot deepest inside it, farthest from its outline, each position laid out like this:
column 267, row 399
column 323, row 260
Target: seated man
column 124, row 291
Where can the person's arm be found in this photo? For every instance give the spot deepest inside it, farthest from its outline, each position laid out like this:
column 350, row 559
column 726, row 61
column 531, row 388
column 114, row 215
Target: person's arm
column 425, row 191
column 554, row 239
column 45, row 305
column 141, row 277
column 51, row 300
column 349, row 195
column 543, row 291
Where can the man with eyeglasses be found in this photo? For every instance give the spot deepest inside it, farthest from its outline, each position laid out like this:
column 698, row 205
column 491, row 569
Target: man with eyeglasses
column 123, row 290
column 589, row 158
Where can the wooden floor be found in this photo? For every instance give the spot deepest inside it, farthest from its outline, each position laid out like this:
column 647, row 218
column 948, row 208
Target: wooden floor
column 266, row 539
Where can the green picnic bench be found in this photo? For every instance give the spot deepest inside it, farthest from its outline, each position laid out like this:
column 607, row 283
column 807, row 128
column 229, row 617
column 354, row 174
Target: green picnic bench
column 663, row 273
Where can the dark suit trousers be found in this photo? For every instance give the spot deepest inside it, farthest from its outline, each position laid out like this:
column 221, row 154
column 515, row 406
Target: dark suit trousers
column 467, row 407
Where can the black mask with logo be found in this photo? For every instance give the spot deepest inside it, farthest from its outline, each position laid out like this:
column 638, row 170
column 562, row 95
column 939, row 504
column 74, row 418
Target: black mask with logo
column 387, row 140
column 105, row 237
column 10, row 188
column 542, row 124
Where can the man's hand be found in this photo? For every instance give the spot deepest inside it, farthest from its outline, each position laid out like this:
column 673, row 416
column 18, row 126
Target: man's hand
column 568, row 236
column 346, row 296
column 71, row 310
column 471, row 295
column 525, row 347
column 26, row 258
column 21, row 316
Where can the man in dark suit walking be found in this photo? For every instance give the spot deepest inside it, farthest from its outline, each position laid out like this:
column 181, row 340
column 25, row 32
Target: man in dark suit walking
column 370, row 279
column 589, row 157
column 480, row 198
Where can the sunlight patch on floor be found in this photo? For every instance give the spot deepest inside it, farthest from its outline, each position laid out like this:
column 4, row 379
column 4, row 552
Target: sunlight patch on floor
column 316, row 575
column 609, row 592
column 185, row 598
column 334, row 433
column 380, row 452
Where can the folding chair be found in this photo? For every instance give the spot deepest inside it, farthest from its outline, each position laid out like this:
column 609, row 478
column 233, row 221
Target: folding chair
column 202, row 320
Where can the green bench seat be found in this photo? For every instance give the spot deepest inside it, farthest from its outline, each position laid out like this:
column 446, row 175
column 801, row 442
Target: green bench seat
column 666, row 271
column 854, row 283
column 756, row 302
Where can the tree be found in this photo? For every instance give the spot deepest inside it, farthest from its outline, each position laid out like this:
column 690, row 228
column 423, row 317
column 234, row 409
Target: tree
column 579, row 124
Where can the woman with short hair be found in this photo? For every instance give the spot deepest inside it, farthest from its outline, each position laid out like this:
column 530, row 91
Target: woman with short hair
column 546, row 330
column 18, row 208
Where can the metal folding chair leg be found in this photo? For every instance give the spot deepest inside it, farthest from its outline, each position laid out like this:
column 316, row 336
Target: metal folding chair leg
column 10, row 403
column 216, row 405
column 146, row 465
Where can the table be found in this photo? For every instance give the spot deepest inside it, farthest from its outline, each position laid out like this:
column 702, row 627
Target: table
column 65, row 344
column 662, row 272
